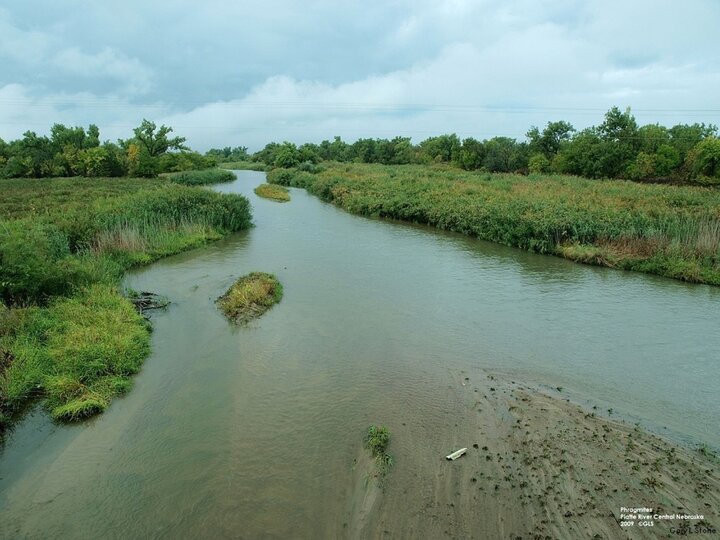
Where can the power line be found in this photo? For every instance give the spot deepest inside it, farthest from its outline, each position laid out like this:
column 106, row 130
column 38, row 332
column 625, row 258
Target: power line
column 352, row 106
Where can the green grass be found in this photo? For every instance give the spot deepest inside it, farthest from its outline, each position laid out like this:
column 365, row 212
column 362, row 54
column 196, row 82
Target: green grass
column 66, row 334
column 250, row 297
column 377, row 440
column 202, row 178
column 273, row 192
column 673, row 231
column 78, row 353
column 244, row 166
column 74, row 240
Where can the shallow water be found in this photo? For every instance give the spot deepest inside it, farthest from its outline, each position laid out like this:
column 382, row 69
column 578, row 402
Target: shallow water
column 249, row 432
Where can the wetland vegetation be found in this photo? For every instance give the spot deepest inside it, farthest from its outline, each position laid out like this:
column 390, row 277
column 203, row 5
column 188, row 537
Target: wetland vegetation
column 202, row 177
column 250, row 297
column 66, row 332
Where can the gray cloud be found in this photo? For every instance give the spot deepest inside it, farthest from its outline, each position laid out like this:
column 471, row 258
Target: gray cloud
column 245, row 74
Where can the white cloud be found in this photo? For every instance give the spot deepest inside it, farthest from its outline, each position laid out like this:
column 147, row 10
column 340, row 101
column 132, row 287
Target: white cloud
column 20, row 45
column 23, row 110
column 130, row 72
column 248, row 74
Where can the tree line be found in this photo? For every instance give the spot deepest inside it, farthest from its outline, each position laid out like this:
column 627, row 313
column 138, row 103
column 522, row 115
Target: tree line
column 76, row 151
column 617, row 148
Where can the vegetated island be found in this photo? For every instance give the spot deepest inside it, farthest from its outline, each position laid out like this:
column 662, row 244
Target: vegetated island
column 668, row 230
column 273, row 191
column 250, row 296
column 67, row 334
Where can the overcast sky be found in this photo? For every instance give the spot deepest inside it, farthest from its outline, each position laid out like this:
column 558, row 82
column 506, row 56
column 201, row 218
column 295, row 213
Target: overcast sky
column 247, row 73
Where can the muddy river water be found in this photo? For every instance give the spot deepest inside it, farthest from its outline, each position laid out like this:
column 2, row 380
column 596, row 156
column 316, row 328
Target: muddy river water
column 251, row 432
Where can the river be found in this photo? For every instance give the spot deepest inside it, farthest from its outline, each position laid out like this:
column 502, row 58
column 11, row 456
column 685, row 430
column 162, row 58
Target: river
column 250, row 432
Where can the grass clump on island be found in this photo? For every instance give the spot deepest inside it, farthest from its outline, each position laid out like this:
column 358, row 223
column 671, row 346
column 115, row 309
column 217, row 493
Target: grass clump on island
column 273, row 192
column 202, row 178
column 66, row 332
column 377, row 440
column 250, row 297
column 672, row 231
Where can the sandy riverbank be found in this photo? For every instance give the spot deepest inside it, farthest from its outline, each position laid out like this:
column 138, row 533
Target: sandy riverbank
column 536, row 467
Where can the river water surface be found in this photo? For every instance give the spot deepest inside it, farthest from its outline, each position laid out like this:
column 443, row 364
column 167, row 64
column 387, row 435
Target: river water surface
column 250, row 432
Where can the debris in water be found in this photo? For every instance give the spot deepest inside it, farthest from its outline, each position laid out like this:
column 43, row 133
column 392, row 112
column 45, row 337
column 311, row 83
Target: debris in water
column 144, row 301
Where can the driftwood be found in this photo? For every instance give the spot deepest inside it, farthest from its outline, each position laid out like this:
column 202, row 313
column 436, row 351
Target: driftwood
column 145, row 301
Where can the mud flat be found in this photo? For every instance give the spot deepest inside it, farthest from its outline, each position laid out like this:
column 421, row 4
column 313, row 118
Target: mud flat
column 537, row 466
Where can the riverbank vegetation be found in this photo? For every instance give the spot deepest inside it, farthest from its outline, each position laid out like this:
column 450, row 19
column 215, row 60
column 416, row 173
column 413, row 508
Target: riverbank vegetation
column 667, row 230
column 273, row 191
column 202, row 177
column 616, row 148
column 244, row 165
column 66, row 333
column 250, row 297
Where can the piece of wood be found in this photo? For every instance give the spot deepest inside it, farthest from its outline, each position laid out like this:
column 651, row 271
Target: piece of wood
column 456, row 454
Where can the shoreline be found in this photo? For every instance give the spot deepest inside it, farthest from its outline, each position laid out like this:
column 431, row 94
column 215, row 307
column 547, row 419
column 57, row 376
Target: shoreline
column 616, row 224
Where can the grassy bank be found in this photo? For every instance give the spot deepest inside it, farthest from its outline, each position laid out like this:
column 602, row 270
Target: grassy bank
column 250, row 296
column 672, row 231
column 272, row 192
column 66, row 333
column 244, row 166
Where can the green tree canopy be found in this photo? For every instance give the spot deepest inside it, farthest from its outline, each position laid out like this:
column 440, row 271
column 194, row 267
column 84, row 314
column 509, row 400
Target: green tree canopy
column 155, row 141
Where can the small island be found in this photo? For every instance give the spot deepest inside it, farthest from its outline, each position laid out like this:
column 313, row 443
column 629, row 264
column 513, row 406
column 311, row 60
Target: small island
column 273, row 192
column 250, row 297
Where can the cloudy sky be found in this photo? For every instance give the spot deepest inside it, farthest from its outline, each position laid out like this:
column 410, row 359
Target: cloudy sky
column 246, row 73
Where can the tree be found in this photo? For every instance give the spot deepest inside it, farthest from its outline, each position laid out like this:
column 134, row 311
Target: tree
column 539, row 163
column 309, row 153
column 31, row 156
column 471, row 155
column 503, row 154
column 707, row 158
column 157, row 143
column 685, row 137
column 440, row 149
column 619, row 126
column 651, row 137
column 139, row 161
column 552, row 137
column 286, row 156
column 337, row 150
